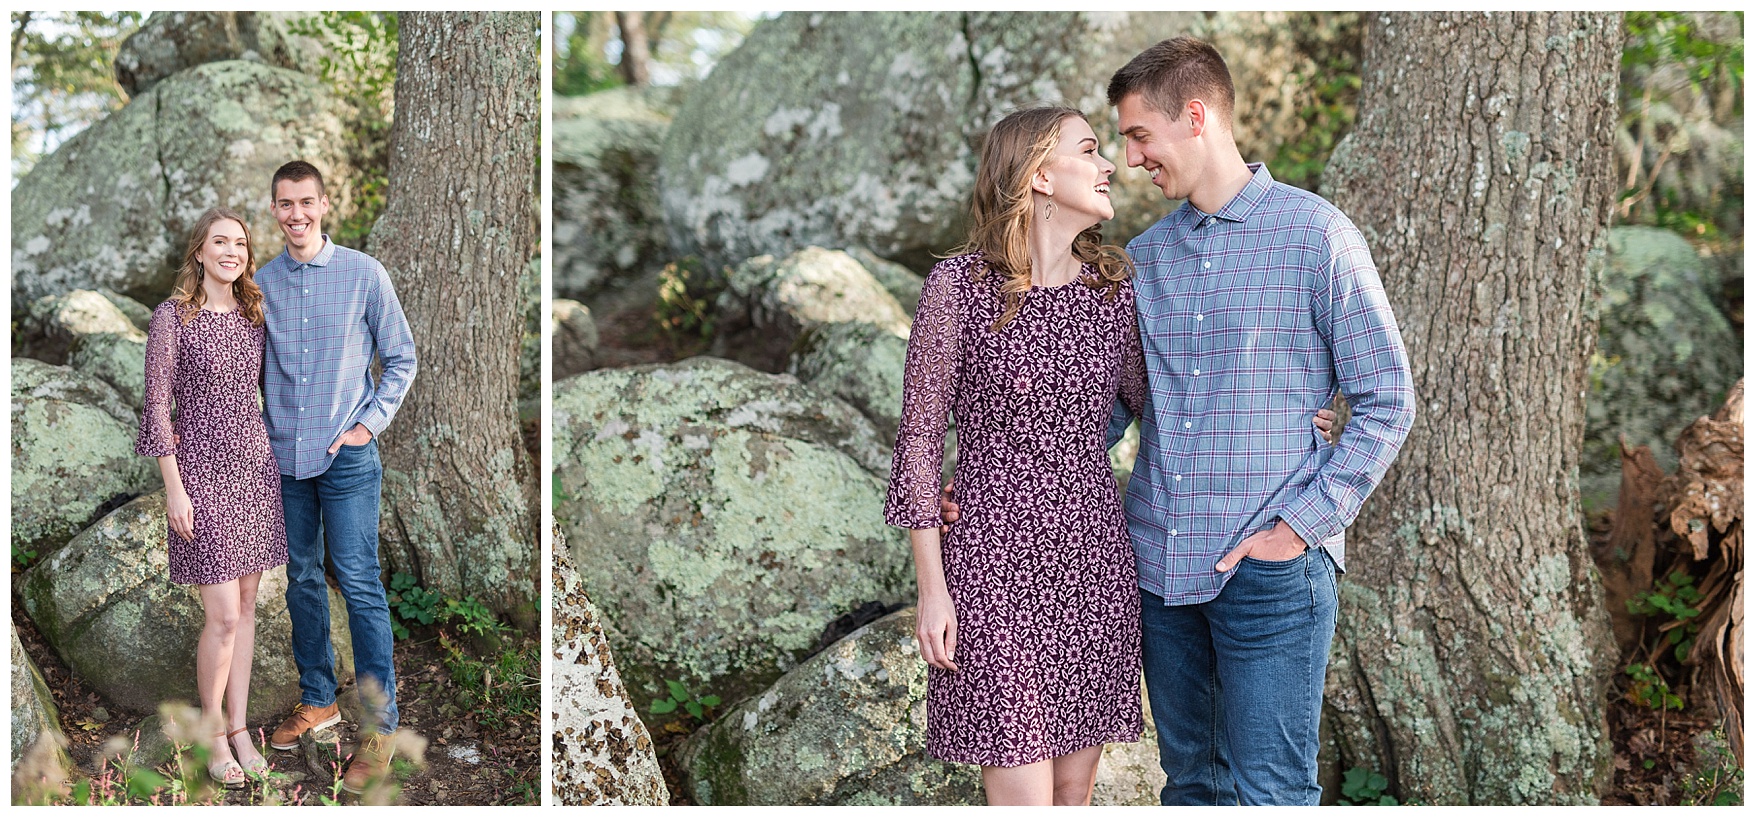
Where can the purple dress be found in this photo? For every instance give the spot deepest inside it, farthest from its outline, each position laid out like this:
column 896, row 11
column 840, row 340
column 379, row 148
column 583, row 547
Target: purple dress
column 1039, row 567
column 212, row 367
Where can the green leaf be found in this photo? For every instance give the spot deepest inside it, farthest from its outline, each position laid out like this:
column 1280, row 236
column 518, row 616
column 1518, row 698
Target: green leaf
column 663, row 707
column 694, row 708
column 144, row 783
column 677, row 690
column 710, row 700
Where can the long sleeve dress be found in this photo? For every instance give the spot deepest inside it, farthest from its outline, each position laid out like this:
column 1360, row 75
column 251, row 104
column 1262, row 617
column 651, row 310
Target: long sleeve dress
column 211, row 369
column 1039, row 567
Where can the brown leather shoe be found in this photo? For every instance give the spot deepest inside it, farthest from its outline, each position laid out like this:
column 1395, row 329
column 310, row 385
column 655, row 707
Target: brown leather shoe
column 303, row 719
column 371, row 763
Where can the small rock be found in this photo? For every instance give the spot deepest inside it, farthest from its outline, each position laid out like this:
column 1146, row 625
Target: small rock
column 321, row 750
column 100, row 715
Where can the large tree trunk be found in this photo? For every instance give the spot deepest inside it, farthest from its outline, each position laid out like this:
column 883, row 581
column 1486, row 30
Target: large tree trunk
column 460, row 498
column 636, row 63
column 1473, row 650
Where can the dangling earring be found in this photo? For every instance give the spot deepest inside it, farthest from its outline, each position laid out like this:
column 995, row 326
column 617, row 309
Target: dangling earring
column 1048, row 211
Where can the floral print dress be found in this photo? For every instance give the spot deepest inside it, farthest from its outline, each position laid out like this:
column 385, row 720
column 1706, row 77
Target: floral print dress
column 211, row 369
column 1039, row 566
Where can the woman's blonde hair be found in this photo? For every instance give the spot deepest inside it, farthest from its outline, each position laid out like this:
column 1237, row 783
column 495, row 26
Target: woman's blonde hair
column 1002, row 211
column 189, row 296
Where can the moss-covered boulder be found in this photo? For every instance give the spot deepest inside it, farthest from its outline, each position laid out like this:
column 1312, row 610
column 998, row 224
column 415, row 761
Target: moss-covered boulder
column 769, row 301
column 901, row 282
column 574, row 336
column 51, row 324
column 72, row 453
column 117, row 358
column 860, row 363
column 848, row 727
column 727, row 516
column 106, row 605
column 33, row 708
column 607, row 221
column 172, row 41
column 864, row 128
column 112, row 206
column 1665, row 354
column 601, row 750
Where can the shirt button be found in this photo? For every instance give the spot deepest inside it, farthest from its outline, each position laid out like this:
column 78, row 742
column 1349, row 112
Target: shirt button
column 301, row 408
column 307, row 292
column 1197, row 317
column 1206, row 265
column 1188, row 425
column 1210, row 219
column 1178, row 477
column 307, row 320
column 1197, row 371
column 304, row 380
column 301, row 439
column 1172, row 531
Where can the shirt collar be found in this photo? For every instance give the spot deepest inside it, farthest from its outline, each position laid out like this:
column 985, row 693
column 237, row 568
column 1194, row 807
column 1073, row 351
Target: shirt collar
column 321, row 259
column 1240, row 205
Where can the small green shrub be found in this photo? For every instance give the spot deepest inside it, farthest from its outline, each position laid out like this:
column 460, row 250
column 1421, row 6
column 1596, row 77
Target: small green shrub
column 1362, row 787
column 680, row 697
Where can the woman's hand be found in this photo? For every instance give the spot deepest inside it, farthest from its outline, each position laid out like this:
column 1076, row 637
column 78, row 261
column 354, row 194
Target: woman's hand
column 936, row 629
column 1325, row 422
column 181, row 513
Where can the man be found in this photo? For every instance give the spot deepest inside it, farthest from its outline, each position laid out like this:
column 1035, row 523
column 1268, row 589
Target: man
column 1256, row 302
column 329, row 309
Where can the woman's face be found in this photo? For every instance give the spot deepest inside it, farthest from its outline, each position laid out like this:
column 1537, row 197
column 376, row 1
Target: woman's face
column 1077, row 176
column 225, row 251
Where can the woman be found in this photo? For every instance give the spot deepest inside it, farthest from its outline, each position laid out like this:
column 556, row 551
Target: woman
column 222, row 487
column 1029, row 608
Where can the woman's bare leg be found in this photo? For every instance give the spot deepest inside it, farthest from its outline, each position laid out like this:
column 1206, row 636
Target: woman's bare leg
column 1074, row 776
column 1031, row 784
column 213, row 656
column 237, row 690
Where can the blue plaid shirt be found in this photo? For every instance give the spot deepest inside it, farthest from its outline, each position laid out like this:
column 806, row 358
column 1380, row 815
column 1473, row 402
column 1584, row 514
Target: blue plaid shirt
column 1252, row 317
column 326, row 319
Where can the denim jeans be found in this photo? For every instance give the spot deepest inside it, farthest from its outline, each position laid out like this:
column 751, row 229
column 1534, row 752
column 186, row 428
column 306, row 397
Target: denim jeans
column 1235, row 684
column 339, row 507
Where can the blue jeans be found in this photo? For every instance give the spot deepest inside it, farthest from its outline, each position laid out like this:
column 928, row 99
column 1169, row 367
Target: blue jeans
column 1235, row 684
column 340, row 507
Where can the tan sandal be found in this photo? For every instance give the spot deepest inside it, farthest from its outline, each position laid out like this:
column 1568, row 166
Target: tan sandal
column 260, row 767
column 228, row 774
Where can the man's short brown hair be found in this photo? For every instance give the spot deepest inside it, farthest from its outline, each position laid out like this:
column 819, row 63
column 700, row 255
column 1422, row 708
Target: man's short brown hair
column 1174, row 71
column 295, row 171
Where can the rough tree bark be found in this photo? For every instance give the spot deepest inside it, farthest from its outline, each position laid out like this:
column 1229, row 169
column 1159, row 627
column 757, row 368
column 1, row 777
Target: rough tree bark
column 1473, row 650
column 460, row 497
column 636, row 63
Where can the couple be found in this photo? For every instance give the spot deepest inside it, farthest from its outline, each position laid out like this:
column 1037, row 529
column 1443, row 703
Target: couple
column 1252, row 303
column 249, row 488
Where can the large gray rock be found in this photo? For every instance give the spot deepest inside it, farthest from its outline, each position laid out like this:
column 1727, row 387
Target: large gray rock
column 848, row 727
column 902, row 283
column 172, row 41
column 117, row 358
column 575, row 338
column 1665, row 354
column 112, row 206
column 728, row 517
column 607, row 221
column 107, row 606
column 602, row 752
column 33, row 709
column 769, row 301
column 51, row 324
column 864, row 128
column 72, row 453
column 860, row 363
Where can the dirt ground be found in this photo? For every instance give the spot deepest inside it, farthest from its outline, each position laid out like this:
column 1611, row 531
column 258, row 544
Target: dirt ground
column 467, row 763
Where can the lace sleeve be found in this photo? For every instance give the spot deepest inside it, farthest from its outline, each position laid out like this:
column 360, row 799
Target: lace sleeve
column 156, row 431
column 929, row 390
column 1132, row 390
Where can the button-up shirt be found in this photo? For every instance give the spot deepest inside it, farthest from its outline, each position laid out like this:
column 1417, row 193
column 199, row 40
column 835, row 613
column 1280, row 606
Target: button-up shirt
column 1251, row 318
column 326, row 318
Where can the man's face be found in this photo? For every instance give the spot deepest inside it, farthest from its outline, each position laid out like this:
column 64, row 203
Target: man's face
column 300, row 209
column 1163, row 147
